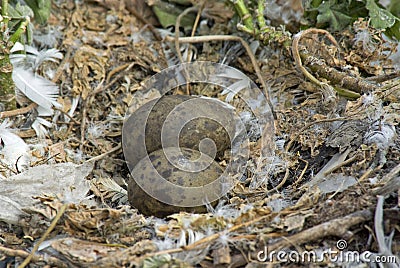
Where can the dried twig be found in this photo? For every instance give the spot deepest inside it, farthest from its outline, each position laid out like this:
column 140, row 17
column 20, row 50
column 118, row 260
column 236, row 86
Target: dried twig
column 384, row 77
column 116, row 70
column 391, row 182
column 280, row 185
column 48, row 231
column 19, row 111
column 300, row 178
column 336, row 227
column 89, row 100
column 177, row 25
column 351, row 86
column 112, row 82
column 98, row 157
column 36, row 258
column 67, row 115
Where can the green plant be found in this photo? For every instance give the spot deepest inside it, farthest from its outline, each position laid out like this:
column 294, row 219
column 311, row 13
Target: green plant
column 15, row 27
column 339, row 14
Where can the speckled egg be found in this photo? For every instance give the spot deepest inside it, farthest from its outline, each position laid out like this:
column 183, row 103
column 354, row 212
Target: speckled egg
column 155, row 178
column 142, row 129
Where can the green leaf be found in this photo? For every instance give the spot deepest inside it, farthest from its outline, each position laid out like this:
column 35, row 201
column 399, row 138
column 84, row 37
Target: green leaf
column 167, row 14
column 380, row 18
column 394, row 7
column 19, row 11
column 29, row 33
column 41, row 8
column 394, row 31
column 331, row 13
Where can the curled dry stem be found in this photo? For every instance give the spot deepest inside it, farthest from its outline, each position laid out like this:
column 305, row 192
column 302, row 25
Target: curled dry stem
column 297, row 58
column 347, row 86
column 296, row 53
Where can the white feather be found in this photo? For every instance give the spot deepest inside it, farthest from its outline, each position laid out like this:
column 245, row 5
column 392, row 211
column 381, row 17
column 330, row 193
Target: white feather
column 30, row 56
column 17, row 47
column 15, row 152
column 36, row 88
column 74, row 105
column 235, row 88
column 38, row 57
column 40, row 125
column 17, row 54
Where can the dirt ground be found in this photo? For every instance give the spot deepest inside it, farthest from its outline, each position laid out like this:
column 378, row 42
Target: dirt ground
column 331, row 181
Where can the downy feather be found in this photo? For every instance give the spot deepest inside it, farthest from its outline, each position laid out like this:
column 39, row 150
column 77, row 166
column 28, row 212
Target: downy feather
column 15, row 152
column 37, row 88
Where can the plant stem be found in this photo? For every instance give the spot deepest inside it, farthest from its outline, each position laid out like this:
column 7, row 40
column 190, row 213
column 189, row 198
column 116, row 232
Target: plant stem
column 260, row 15
column 4, row 12
column 244, row 14
column 21, row 29
column 7, row 93
column 349, row 87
